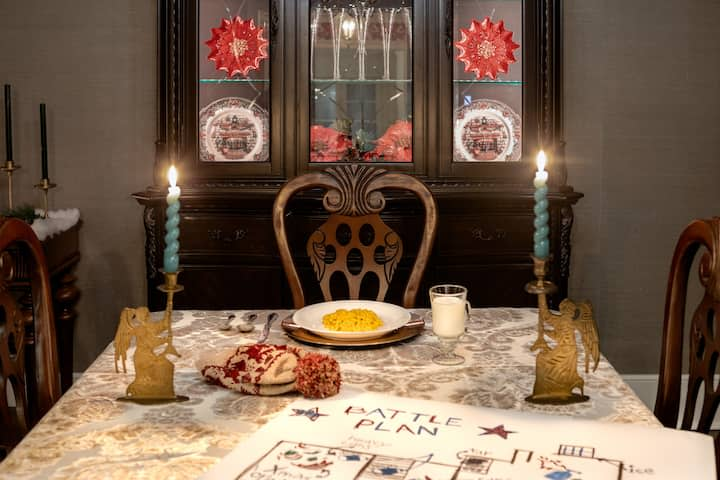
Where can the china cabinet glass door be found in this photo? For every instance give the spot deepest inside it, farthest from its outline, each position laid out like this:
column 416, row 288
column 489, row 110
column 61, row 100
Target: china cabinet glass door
column 237, row 91
column 361, row 70
column 493, row 84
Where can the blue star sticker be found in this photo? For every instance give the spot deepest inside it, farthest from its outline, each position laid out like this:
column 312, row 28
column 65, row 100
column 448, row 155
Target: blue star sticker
column 387, row 471
column 559, row 475
column 311, row 413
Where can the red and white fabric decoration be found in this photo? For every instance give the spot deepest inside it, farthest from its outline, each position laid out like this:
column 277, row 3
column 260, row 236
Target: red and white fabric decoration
column 486, row 48
column 263, row 369
column 237, row 46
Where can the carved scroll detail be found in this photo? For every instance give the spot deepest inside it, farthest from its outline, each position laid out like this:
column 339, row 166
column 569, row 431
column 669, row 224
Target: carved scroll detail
column 709, row 268
column 150, row 241
column 354, row 195
column 566, row 223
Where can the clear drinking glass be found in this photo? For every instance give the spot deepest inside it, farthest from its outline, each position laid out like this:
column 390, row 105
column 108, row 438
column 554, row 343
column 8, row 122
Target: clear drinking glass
column 450, row 309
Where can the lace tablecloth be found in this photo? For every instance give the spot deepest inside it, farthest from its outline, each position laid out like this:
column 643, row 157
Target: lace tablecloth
column 89, row 434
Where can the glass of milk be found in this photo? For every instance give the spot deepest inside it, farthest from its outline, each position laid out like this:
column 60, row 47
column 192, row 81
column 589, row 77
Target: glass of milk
column 450, row 309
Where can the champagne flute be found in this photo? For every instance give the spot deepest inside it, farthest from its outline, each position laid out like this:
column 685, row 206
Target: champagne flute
column 450, row 309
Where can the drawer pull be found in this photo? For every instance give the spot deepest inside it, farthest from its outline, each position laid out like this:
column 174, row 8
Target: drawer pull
column 488, row 235
column 218, row 235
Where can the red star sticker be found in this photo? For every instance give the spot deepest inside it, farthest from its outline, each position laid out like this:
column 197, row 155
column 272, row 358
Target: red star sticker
column 499, row 431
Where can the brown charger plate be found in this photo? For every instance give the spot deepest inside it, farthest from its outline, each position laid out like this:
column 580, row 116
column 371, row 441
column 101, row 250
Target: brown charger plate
column 409, row 330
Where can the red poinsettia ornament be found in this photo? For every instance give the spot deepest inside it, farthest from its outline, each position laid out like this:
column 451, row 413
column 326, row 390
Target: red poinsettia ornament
column 486, row 48
column 395, row 145
column 328, row 144
column 237, row 46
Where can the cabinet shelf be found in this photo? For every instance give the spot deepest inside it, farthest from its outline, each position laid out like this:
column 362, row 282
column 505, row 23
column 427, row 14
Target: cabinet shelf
column 518, row 83
column 360, row 82
column 234, row 80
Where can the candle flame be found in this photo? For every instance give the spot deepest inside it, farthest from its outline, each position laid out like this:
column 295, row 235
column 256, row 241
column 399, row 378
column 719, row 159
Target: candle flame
column 541, row 161
column 172, row 176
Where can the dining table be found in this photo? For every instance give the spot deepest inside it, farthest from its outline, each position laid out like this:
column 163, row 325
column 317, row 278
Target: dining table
column 89, row 433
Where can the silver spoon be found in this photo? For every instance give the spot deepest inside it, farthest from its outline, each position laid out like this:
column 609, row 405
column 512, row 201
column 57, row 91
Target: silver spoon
column 247, row 324
column 227, row 324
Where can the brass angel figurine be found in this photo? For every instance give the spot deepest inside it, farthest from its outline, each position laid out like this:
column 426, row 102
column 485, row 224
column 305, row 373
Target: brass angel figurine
column 556, row 375
column 154, row 372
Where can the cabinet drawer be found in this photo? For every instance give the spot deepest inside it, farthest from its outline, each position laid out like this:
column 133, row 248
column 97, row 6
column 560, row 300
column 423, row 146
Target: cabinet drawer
column 234, row 234
column 463, row 235
column 219, row 287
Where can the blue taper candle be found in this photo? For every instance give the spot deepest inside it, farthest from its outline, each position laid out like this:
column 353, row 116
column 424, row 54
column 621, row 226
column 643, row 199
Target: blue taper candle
column 542, row 231
column 171, row 260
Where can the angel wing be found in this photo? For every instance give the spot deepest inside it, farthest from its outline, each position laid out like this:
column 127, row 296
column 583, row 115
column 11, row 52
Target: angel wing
column 316, row 251
column 123, row 336
column 585, row 324
column 393, row 253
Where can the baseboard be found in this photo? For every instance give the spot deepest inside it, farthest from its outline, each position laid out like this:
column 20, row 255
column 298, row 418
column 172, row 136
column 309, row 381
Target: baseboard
column 645, row 387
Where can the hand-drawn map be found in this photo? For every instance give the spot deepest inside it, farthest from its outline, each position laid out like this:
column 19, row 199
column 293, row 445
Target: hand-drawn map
column 359, row 436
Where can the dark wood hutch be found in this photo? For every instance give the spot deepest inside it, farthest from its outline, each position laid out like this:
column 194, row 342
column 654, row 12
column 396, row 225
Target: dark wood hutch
column 360, row 56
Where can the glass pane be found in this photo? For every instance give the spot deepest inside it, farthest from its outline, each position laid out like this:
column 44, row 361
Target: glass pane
column 361, row 81
column 234, row 81
column 487, row 80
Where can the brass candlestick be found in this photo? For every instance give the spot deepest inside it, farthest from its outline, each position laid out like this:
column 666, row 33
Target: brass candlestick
column 45, row 185
column 556, row 373
column 10, row 167
column 154, row 372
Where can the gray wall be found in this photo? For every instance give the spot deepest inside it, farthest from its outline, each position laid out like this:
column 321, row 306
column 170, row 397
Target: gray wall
column 642, row 108
column 93, row 63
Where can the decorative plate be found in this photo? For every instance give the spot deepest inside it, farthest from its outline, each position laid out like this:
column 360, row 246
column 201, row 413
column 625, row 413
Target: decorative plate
column 237, row 46
column 233, row 129
column 486, row 48
column 486, row 131
column 310, row 318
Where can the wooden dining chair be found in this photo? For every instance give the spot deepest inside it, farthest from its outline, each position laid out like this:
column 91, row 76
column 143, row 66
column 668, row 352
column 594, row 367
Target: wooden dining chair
column 28, row 351
column 354, row 242
column 703, row 338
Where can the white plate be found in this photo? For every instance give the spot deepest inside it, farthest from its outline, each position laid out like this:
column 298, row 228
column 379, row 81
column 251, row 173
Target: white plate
column 310, row 318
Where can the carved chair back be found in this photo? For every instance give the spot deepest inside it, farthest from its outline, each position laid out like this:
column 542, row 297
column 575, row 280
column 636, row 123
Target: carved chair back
column 28, row 351
column 704, row 334
column 355, row 242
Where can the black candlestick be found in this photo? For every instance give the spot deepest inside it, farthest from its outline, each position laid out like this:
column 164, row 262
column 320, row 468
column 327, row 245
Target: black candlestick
column 43, row 142
column 8, row 125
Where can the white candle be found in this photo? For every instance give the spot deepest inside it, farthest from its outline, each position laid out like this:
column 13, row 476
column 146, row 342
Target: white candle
column 448, row 316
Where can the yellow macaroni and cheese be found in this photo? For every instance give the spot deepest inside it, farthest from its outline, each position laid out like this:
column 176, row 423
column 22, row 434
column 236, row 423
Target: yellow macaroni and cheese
column 355, row 320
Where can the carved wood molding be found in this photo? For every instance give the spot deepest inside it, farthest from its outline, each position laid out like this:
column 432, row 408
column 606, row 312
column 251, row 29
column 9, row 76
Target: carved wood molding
column 566, row 222
column 150, row 241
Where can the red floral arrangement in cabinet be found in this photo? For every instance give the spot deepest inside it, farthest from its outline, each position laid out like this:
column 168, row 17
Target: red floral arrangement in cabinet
column 328, row 144
column 395, row 145
column 237, row 46
column 486, row 48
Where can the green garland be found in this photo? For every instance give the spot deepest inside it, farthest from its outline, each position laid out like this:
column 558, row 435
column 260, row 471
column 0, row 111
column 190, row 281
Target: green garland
column 24, row 212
